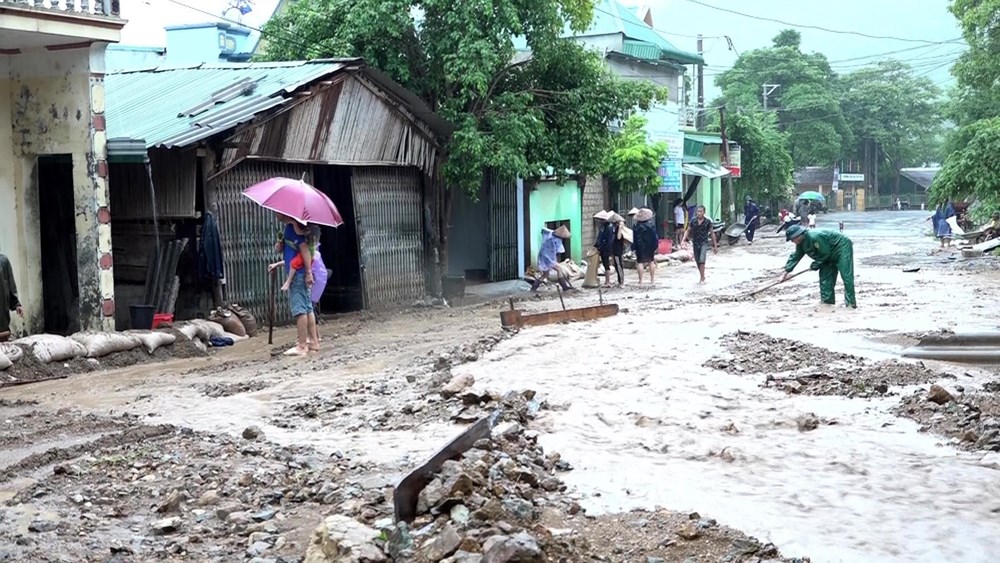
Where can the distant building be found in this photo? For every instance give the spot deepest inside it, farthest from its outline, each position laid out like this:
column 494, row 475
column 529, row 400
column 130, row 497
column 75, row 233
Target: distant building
column 214, row 42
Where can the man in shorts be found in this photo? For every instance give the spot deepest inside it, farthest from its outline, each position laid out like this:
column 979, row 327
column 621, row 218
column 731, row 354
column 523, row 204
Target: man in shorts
column 700, row 232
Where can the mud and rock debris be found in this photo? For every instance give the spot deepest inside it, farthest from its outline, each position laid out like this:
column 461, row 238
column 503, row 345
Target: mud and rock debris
column 799, row 368
column 970, row 419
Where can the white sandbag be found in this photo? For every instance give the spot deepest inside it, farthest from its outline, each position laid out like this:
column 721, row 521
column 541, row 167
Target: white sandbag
column 13, row 353
column 213, row 329
column 199, row 344
column 191, row 331
column 4, row 361
column 100, row 344
column 50, row 348
column 235, row 337
column 152, row 340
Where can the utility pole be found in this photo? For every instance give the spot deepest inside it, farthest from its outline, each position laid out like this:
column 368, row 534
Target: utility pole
column 767, row 90
column 699, row 119
column 725, row 160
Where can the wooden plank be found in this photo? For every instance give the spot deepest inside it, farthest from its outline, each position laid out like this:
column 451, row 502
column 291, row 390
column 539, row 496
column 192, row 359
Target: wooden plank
column 987, row 246
column 569, row 315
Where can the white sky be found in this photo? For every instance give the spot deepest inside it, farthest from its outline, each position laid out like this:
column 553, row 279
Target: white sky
column 680, row 20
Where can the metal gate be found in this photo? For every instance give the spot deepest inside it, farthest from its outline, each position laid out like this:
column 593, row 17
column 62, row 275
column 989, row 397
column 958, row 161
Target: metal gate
column 248, row 234
column 503, row 228
column 389, row 206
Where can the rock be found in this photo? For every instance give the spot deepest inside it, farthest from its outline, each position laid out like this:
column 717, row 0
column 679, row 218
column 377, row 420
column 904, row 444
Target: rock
column 939, row 395
column 399, row 541
column 208, row 498
column 689, row 532
column 171, row 504
column 519, row 507
column 252, row 433
column 651, row 559
column 442, row 545
column 457, row 384
column 340, row 539
column 264, row 515
column 167, row 526
column 520, row 548
column 258, row 548
column 507, row 429
column 223, row 512
column 969, row 436
column 464, row 557
column 807, row 422
column 431, row 496
column 987, row 437
column 41, row 525
column 460, row 514
column 245, row 479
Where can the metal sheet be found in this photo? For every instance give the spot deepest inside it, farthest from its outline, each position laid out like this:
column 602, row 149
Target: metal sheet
column 503, row 228
column 389, row 206
column 248, row 235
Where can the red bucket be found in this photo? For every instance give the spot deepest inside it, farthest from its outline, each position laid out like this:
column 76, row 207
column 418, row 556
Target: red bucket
column 666, row 246
column 161, row 319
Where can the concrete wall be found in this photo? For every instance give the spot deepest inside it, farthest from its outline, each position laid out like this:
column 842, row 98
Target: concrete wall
column 550, row 201
column 52, row 102
column 595, row 199
column 662, row 75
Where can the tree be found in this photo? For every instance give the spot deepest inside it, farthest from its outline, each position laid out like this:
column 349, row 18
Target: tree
column 896, row 112
column 968, row 170
column 767, row 166
column 634, row 162
column 552, row 109
column 805, row 101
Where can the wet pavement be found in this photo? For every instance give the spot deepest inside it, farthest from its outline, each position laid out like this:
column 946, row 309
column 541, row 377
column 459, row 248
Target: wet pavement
column 632, row 406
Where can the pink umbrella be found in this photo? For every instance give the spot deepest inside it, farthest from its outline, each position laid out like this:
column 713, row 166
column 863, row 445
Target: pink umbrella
column 296, row 199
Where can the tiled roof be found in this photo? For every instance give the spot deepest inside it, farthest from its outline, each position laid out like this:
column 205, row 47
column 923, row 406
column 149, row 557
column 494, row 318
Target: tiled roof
column 814, row 175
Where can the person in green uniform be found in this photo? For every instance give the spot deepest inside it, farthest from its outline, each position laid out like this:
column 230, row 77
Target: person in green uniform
column 831, row 252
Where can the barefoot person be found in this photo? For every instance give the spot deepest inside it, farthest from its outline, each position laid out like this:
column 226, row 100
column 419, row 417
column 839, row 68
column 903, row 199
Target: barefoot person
column 644, row 243
column 294, row 243
column 832, row 253
column 700, row 232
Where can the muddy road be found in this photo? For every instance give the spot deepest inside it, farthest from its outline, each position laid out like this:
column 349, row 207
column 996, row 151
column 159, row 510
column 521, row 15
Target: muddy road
column 794, row 422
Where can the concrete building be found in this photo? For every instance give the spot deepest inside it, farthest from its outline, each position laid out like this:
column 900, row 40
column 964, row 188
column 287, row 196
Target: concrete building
column 211, row 42
column 54, row 214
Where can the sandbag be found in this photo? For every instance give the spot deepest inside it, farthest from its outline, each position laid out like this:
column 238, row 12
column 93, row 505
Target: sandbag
column 208, row 329
column 191, row 331
column 152, row 340
column 229, row 321
column 4, row 361
column 100, row 344
column 13, row 353
column 50, row 348
column 247, row 318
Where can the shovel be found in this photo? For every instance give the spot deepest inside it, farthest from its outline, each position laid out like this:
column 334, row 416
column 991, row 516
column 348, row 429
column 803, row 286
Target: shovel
column 769, row 286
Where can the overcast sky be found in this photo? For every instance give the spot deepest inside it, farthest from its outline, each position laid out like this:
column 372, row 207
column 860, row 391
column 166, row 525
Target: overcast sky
column 680, row 20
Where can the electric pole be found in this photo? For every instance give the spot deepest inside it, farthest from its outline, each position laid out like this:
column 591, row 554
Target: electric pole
column 699, row 119
column 767, row 90
column 725, row 161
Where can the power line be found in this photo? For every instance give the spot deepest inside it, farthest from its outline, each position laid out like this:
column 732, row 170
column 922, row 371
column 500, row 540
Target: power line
column 807, row 26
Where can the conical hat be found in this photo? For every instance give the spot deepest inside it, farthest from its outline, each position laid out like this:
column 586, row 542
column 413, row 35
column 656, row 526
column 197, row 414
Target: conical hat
column 602, row 215
column 616, row 218
column 644, row 214
column 633, row 211
column 562, row 232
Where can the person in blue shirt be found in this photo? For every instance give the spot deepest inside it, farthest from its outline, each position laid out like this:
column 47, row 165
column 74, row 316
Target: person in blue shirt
column 548, row 257
column 294, row 242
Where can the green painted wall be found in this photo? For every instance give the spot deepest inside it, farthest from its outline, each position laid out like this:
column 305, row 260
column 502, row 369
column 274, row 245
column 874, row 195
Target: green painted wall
column 554, row 202
column 709, row 192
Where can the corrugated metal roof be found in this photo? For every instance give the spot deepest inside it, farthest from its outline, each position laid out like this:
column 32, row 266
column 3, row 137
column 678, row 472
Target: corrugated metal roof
column 703, row 139
column 922, row 177
column 148, row 104
column 611, row 17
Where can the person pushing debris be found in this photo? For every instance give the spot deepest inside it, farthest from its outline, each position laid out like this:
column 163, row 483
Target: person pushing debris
column 831, row 252
column 548, row 258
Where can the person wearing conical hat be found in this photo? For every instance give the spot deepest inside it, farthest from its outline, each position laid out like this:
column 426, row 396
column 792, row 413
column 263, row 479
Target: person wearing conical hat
column 548, row 257
column 644, row 243
column 832, row 253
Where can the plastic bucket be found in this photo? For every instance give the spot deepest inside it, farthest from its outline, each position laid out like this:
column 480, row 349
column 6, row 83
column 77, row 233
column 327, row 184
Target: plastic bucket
column 141, row 316
column 666, row 246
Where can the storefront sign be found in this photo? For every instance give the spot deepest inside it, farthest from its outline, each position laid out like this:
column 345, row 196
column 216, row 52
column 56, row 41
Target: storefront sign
column 734, row 160
column 670, row 175
column 852, row 177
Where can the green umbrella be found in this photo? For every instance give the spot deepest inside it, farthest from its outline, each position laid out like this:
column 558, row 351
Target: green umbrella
column 812, row 196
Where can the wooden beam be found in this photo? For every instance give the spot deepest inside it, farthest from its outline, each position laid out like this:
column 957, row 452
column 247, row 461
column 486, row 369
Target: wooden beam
column 518, row 319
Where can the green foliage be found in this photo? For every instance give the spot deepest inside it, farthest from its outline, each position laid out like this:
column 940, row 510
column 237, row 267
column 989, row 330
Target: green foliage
column 969, row 171
column 634, row 162
column 806, row 102
column 896, row 108
column 551, row 110
column 766, row 164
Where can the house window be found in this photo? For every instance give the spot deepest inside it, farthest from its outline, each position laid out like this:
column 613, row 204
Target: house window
column 553, row 225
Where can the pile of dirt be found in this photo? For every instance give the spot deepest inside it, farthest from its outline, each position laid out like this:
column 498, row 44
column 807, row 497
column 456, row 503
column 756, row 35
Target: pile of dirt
column 799, row 368
column 227, row 389
column 970, row 419
column 503, row 502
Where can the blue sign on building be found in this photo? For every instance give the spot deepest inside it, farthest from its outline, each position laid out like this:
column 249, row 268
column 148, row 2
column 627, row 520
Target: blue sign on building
column 670, row 175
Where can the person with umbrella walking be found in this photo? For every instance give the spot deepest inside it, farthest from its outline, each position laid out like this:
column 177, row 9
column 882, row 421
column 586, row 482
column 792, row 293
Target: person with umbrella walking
column 294, row 244
column 832, row 253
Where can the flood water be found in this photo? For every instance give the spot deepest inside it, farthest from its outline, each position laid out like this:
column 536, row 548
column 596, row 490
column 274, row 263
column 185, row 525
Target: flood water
column 645, row 425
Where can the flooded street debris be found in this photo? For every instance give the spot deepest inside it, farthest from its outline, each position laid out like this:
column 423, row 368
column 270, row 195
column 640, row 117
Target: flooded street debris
column 970, row 420
column 799, row 368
